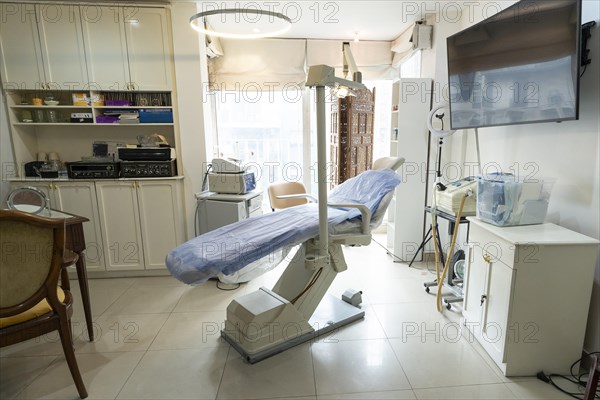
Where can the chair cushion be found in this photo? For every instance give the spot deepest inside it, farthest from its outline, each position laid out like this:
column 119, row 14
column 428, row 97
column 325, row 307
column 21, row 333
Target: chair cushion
column 41, row 308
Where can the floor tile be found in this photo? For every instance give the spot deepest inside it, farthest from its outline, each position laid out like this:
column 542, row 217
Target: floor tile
column 357, row 366
column 45, row 345
column 103, row 375
column 391, row 395
column 147, row 300
column 207, row 297
column 437, row 361
column 366, row 328
column 123, row 333
column 177, row 374
column 157, row 281
column 191, row 331
column 537, row 389
column 17, row 373
column 475, row 392
column 286, row 374
column 405, row 320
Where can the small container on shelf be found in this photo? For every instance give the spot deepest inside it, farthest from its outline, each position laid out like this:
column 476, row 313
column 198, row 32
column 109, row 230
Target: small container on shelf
column 81, row 99
column 117, row 103
column 156, row 116
column 81, row 118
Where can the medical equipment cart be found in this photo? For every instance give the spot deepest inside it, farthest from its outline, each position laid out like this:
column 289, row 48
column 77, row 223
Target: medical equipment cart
column 218, row 209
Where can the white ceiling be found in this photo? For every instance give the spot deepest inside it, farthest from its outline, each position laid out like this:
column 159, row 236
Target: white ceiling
column 325, row 19
column 340, row 19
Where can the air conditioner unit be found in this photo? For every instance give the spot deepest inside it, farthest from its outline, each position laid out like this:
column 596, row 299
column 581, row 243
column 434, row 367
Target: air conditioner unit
column 421, row 36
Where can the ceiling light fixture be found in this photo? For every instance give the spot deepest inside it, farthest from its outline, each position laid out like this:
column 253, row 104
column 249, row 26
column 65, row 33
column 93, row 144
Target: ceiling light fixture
column 243, row 23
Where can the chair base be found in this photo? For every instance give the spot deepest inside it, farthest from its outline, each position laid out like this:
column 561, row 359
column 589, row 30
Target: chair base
column 331, row 314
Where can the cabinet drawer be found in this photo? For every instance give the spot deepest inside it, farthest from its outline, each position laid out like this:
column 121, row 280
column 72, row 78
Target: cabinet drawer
column 493, row 247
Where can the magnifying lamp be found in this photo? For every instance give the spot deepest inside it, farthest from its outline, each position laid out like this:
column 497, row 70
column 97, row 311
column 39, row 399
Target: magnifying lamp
column 28, row 199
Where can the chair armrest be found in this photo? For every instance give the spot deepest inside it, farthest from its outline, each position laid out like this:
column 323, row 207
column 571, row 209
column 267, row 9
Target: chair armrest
column 364, row 211
column 298, row 196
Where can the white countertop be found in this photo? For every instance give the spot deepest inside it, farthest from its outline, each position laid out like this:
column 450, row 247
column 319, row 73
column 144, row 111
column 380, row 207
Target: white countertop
column 546, row 233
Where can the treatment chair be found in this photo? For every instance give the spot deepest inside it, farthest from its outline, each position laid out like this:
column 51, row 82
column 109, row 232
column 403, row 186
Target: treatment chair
column 266, row 322
column 31, row 302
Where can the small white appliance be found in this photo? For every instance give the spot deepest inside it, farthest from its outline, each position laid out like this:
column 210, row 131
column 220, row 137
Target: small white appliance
column 216, row 209
column 231, row 183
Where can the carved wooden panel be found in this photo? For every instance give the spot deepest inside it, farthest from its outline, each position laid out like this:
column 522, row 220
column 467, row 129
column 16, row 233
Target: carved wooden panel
column 352, row 135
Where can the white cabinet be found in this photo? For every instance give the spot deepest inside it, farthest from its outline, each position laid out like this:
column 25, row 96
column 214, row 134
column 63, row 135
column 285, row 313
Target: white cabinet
column 141, row 222
column 160, row 206
column 120, row 222
column 527, row 295
column 77, row 198
column 22, row 66
column 128, row 49
column 406, row 213
column 47, row 54
column 148, row 48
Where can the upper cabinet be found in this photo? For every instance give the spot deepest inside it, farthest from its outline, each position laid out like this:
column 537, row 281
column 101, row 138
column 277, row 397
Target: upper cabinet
column 128, row 49
column 67, row 47
column 42, row 47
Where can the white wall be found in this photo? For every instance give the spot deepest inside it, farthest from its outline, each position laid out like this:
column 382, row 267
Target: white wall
column 568, row 152
column 189, row 66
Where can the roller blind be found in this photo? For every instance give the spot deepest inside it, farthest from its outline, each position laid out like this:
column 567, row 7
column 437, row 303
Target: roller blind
column 252, row 65
column 273, row 64
column 373, row 58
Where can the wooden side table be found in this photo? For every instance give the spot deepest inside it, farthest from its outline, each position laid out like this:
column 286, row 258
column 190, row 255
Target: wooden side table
column 75, row 242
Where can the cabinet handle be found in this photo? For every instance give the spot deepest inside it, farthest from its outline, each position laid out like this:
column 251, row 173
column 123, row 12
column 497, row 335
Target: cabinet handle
column 483, row 297
column 487, row 258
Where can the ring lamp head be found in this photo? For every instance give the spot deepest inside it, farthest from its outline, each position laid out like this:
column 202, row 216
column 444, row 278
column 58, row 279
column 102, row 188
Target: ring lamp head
column 438, row 112
column 28, row 199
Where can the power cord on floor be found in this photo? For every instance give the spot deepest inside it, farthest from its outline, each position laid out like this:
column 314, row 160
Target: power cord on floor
column 577, row 380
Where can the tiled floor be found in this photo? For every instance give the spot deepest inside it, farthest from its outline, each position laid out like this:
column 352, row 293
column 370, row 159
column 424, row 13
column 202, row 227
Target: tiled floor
column 159, row 339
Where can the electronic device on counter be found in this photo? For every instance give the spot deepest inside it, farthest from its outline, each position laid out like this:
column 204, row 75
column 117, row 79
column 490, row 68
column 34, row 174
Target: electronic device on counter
column 146, row 153
column 148, row 169
column 227, row 166
column 449, row 200
column 92, row 170
column 239, row 183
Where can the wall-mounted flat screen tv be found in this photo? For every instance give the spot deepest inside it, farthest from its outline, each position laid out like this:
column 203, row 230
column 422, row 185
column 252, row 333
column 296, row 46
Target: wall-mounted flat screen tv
column 519, row 66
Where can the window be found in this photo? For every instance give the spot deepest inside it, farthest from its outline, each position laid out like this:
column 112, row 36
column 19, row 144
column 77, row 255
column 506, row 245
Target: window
column 264, row 130
column 411, row 67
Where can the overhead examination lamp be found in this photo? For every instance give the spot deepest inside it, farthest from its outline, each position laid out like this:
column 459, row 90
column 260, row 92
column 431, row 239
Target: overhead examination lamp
column 238, row 23
column 320, row 77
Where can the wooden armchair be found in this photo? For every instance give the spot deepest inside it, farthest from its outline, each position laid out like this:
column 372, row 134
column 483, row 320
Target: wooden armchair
column 31, row 302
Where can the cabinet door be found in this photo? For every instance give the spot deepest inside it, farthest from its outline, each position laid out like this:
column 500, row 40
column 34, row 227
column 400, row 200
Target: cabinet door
column 148, row 48
column 162, row 220
column 80, row 198
column 22, row 66
column 488, row 289
column 475, row 288
column 120, row 224
column 105, row 47
column 62, row 47
column 495, row 325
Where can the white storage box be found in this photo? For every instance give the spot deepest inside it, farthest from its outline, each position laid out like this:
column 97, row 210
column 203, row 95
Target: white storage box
column 503, row 200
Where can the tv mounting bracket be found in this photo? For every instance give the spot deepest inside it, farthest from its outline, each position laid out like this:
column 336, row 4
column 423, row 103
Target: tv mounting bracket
column 585, row 35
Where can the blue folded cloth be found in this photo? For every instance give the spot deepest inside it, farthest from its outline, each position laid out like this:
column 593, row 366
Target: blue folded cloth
column 232, row 247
